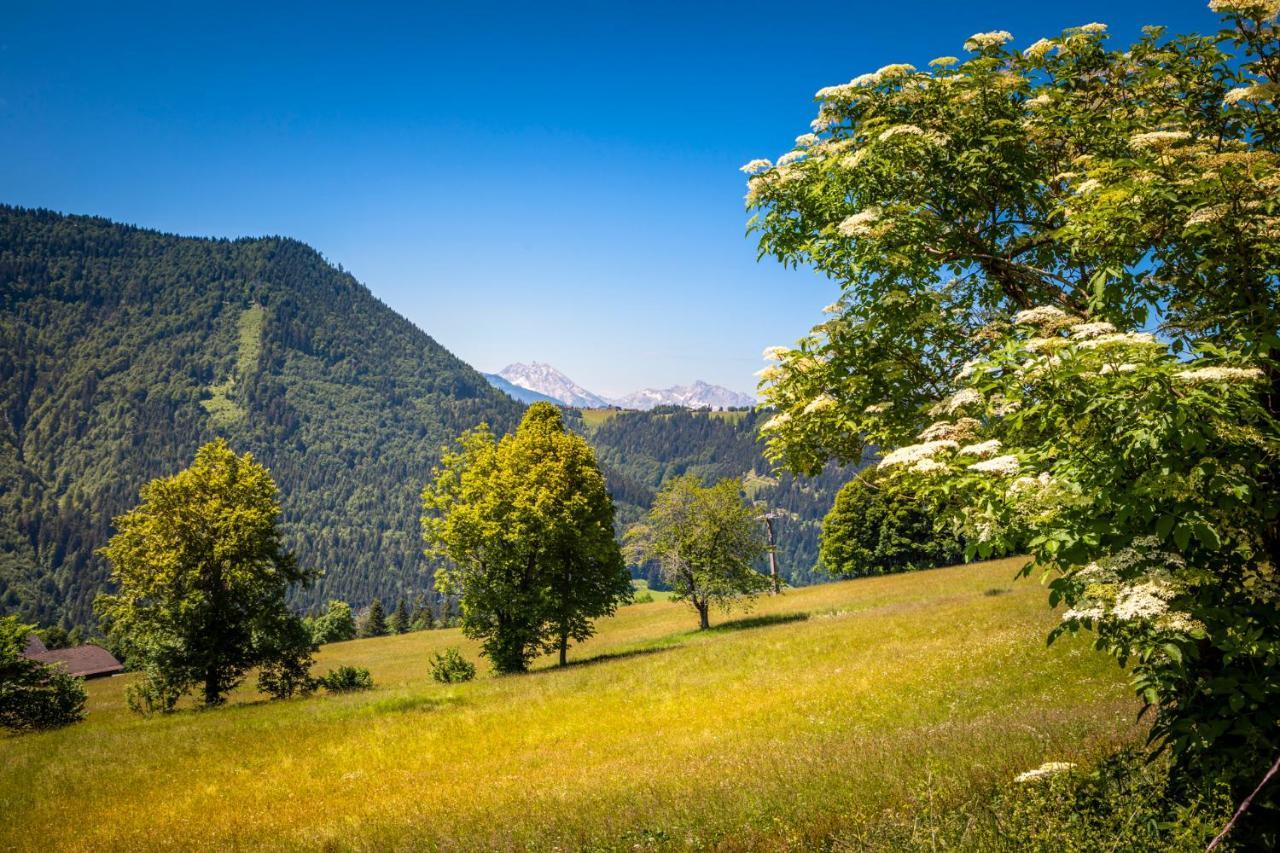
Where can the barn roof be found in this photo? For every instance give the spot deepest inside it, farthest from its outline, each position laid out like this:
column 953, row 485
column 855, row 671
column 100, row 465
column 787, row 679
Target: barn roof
column 35, row 646
column 86, row 661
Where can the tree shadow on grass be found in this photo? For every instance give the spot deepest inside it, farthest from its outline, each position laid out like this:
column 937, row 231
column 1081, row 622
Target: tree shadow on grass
column 757, row 622
column 606, row 657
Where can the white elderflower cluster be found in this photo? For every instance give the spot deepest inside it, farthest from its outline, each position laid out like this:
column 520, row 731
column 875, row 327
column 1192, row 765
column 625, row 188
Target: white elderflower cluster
column 1083, row 614
column 1120, row 339
column 968, row 369
column 757, row 165
column 1180, row 623
column 959, row 400
column 1206, row 215
column 928, row 466
column 1041, row 100
column 1092, row 330
column 961, row 429
column 943, row 61
column 1158, row 140
column 1094, row 27
column 776, row 422
column 1244, row 93
column 1199, row 375
column 1090, row 185
column 1025, row 485
column 1039, row 48
column 1003, row 466
column 833, row 308
column 791, row 157
column 772, row 373
column 1049, row 768
column 983, row 41
column 1249, row 8
column 913, row 453
column 821, row 403
column 806, row 140
column 840, row 90
column 877, row 408
column 1043, row 316
column 860, row 223
column 1038, row 345
column 900, row 130
column 1142, row 601
column 775, row 353
column 1126, row 367
column 1095, row 572
column 982, row 449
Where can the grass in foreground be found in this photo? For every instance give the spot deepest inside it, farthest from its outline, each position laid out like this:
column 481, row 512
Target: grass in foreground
column 822, row 714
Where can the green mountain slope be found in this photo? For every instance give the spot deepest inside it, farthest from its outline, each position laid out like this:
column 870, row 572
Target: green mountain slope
column 122, row 350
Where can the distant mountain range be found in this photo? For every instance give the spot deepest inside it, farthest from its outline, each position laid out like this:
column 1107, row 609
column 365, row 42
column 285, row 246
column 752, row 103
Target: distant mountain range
column 531, row 382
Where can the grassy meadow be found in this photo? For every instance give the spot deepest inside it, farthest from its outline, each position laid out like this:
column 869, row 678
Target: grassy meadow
column 819, row 719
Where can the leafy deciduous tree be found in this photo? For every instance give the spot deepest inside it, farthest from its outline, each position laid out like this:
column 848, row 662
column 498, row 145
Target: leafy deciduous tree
column 526, row 524
column 201, row 579
column 706, row 539
column 335, row 625
column 873, row 530
column 1006, row 230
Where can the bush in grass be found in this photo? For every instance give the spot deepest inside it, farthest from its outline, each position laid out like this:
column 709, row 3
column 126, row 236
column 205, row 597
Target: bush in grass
column 346, row 679
column 1125, row 803
column 450, row 667
column 33, row 695
column 335, row 625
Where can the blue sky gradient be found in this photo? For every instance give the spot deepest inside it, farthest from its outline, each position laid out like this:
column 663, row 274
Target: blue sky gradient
column 552, row 182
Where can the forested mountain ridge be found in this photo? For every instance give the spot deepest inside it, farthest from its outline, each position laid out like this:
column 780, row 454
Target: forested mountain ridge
column 639, row 451
column 122, row 350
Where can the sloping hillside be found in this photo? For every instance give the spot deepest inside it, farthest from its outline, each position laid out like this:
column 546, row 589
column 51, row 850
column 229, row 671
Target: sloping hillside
column 838, row 716
column 122, row 350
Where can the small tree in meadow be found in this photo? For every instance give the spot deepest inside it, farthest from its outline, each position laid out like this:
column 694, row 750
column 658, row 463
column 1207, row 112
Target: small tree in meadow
column 526, row 527
column 202, row 577
column 707, row 540
column 335, row 625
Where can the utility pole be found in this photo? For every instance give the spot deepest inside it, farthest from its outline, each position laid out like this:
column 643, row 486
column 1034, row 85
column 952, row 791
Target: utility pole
column 768, row 519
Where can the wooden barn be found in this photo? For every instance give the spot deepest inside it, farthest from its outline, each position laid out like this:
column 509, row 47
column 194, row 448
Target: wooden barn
column 86, row 661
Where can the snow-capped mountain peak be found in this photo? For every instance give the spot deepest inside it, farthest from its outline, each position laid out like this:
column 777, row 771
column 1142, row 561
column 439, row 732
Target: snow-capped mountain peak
column 696, row 396
column 545, row 379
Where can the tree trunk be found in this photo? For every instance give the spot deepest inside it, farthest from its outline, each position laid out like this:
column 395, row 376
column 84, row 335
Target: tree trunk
column 211, row 693
column 564, row 649
column 703, row 622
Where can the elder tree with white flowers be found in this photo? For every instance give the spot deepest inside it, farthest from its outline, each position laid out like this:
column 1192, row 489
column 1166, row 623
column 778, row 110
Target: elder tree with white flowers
column 1060, row 275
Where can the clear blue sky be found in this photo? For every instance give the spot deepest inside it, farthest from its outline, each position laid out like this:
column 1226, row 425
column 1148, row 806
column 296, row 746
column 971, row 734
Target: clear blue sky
column 524, row 181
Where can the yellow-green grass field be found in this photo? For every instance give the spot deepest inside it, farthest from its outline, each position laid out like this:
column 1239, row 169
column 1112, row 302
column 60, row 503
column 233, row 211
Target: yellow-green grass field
column 824, row 714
